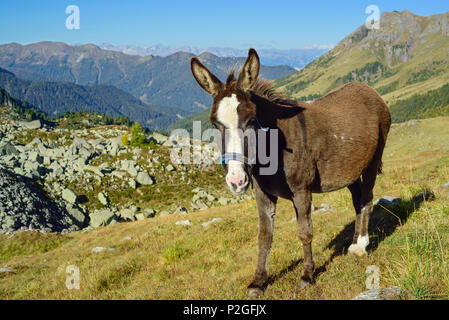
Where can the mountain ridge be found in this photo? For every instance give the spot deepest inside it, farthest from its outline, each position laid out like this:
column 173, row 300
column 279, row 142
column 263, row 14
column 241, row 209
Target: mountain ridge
column 295, row 58
column 152, row 79
column 54, row 98
column 407, row 55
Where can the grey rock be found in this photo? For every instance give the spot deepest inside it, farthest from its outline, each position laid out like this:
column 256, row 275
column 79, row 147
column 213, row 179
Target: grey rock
column 35, row 157
column 223, row 201
column 69, row 196
column 101, row 249
column 8, row 149
column 36, row 124
column 164, row 213
column 390, row 293
column 56, row 169
column 129, row 166
column 144, row 178
column 132, row 183
column 128, row 213
column 148, row 213
column 104, row 200
column 158, row 138
column 214, row 220
column 77, row 217
column 95, row 170
column 184, row 223
column 324, row 207
column 196, row 190
column 101, row 218
column 169, row 168
column 199, row 205
column 5, row 270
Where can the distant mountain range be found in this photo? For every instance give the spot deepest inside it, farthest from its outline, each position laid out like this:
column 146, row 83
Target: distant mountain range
column 407, row 56
column 54, row 97
column 295, row 58
column 164, row 81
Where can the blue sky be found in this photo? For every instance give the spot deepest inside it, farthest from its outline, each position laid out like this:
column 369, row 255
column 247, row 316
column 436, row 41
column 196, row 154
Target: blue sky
column 281, row 24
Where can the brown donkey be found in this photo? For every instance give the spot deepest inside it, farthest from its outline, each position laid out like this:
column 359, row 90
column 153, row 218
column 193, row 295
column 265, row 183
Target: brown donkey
column 332, row 143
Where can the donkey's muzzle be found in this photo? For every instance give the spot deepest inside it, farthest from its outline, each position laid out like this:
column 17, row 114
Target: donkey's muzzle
column 238, row 184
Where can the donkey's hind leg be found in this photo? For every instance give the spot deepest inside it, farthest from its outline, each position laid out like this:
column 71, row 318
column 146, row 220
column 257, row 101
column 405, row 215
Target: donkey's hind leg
column 356, row 192
column 361, row 236
column 267, row 209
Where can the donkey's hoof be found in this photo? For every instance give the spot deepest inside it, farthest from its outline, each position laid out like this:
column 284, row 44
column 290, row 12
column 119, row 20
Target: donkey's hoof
column 357, row 250
column 303, row 284
column 255, row 293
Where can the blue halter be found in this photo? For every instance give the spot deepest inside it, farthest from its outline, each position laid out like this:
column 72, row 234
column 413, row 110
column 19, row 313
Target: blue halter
column 237, row 157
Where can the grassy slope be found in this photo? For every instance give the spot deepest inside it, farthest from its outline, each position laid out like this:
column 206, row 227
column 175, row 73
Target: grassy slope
column 165, row 261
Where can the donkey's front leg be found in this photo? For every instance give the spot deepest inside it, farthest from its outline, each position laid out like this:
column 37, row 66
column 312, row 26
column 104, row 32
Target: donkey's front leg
column 267, row 209
column 302, row 201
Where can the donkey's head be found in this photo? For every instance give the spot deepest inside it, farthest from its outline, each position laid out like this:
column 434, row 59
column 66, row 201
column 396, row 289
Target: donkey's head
column 232, row 113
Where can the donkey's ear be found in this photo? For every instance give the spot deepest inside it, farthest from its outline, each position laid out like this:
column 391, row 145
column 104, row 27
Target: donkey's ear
column 250, row 71
column 205, row 79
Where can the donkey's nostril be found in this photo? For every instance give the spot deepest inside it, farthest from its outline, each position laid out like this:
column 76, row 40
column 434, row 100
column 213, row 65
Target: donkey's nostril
column 237, row 183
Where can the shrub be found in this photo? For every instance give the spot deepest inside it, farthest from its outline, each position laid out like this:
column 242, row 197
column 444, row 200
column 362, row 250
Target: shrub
column 125, row 139
column 137, row 135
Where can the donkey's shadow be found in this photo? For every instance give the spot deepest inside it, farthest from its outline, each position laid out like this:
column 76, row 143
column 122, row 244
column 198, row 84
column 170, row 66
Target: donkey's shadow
column 382, row 224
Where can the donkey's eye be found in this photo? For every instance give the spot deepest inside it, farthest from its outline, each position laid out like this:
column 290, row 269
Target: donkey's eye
column 217, row 125
column 249, row 123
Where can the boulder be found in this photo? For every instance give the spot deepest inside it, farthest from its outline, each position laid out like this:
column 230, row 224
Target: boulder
column 158, row 138
column 7, row 149
column 69, row 196
column 132, row 183
column 164, row 213
column 129, row 213
column 101, row 249
column 129, row 166
column 103, row 198
column 144, row 178
column 169, row 168
column 184, row 223
column 36, row 124
column 390, row 293
column 77, row 217
column 101, row 218
column 223, row 201
column 148, row 213
column 35, row 157
column 56, row 169
column 214, row 220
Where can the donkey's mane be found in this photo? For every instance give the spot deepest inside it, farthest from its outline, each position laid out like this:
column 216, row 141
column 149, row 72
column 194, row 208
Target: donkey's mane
column 263, row 88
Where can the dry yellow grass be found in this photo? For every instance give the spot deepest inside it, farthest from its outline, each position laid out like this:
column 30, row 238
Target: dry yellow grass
column 166, row 261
